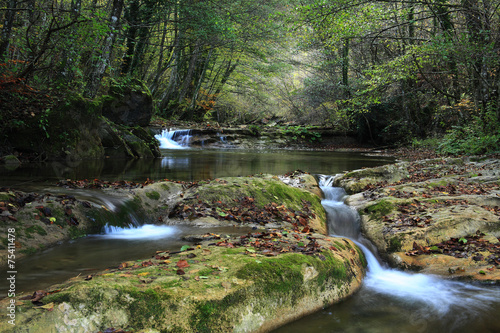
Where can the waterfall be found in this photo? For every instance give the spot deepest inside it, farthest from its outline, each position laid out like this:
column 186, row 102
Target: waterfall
column 146, row 231
column 174, row 139
column 436, row 296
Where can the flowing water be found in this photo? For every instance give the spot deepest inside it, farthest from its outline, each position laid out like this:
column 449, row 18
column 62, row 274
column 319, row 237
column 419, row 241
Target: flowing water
column 174, row 139
column 394, row 301
column 389, row 301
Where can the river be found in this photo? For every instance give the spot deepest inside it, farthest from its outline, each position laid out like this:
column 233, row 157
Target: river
column 370, row 310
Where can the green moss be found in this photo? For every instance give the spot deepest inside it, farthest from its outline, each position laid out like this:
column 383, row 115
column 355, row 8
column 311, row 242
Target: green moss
column 147, row 304
column 394, row 245
column 4, row 196
column 380, row 209
column 153, row 195
column 75, row 232
column 438, row 184
column 35, row 229
column 339, row 245
column 362, row 257
column 28, row 250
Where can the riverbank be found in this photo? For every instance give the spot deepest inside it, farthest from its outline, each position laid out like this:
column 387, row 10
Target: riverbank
column 437, row 216
column 284, row 270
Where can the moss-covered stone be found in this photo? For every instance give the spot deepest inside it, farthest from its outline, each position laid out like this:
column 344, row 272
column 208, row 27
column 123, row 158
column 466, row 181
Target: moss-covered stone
column 380, row 208
column 222, row 290
column 153, row 195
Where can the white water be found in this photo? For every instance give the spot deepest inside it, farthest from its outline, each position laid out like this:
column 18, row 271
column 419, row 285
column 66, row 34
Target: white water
column 146, row 231
column 436, row 296
column 174, row 139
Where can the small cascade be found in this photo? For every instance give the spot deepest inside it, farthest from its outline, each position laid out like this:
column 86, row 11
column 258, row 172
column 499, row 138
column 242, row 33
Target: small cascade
column 435, row 296
column 222, row 138
column 146, row 231
column 174, row 139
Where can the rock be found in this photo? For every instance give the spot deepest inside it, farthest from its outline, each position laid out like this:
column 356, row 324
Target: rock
column 251, row 283
column 221, row 290
column 121, row 142
column 439, row 201
column 10, row 160
column 129, row 103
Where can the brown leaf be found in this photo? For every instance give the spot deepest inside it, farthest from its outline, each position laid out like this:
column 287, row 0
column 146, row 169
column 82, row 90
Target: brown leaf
column 182, row 264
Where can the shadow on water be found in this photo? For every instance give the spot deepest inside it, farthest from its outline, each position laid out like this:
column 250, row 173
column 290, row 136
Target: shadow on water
column 394, row 301
column 189, row 165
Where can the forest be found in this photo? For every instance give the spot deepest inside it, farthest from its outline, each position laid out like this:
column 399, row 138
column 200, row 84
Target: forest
column 420, row 73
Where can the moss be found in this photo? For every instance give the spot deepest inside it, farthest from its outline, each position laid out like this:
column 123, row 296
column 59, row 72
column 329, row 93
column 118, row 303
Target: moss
column 153, row 195
column 75, row 232
column 35, row 229
column 28, row 250
column 380, row 209
column 339, row 245
column 4, row 196
column 147, row 304
column 438, row 184
column 394, row 245
column 362, row 257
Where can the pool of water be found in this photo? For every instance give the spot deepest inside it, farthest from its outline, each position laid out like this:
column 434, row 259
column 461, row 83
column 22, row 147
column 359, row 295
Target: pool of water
column 190, row 165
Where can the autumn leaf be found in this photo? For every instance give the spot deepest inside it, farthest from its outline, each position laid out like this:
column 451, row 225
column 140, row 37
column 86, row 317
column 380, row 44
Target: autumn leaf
column 182, row 264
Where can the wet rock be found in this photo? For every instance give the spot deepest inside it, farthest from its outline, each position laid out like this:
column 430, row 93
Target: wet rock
column 415, row 221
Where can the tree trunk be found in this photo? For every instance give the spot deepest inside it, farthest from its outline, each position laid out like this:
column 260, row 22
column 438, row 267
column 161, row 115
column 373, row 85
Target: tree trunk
column 94, row 80
column 8, row 21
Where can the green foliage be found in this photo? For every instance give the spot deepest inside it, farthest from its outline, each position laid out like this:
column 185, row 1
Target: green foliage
column 480, row 136
column 43, row 123
column 254, row 130
column 300, row 133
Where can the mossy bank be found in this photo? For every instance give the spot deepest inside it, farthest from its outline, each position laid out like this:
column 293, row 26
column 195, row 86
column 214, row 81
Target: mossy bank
column 251, row 283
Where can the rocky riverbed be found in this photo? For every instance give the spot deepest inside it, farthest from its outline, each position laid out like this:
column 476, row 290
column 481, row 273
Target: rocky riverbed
column 438, row 216
column 285, row 269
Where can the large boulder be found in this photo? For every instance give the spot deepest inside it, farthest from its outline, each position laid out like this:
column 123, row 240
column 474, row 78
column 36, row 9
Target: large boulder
column 129, row 103
column 230, row 285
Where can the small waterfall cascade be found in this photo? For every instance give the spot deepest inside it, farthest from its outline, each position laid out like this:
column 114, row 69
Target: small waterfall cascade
column 174, row 139
column 145, row 231
column 222, row 138
column 124, row 222
column 434, row 295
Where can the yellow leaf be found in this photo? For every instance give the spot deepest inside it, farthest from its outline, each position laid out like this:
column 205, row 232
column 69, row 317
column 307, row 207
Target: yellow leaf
column 143, row 274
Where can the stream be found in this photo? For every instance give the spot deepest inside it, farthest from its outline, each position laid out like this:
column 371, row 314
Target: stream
column 389, row 300
column 395, row 301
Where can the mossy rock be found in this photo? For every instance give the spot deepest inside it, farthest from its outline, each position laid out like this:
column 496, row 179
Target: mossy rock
column 129, row 103
column 220, row 290
column 261, row 190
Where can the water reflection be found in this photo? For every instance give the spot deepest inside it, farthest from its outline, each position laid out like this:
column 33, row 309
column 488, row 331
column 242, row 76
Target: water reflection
column 189, row 165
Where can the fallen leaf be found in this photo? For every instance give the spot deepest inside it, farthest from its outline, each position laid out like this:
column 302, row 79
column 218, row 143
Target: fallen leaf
column 182, row 264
